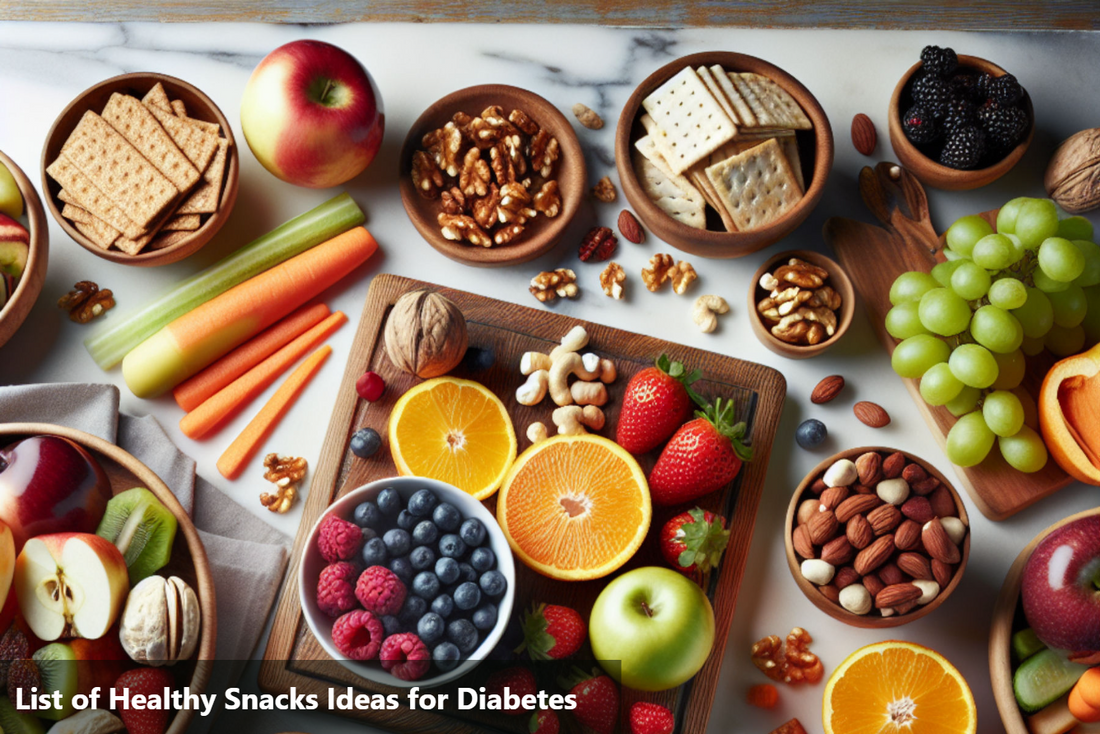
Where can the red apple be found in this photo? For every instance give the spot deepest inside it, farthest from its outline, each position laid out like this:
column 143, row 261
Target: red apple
column 14, row 247
column 1061, row 590
column 49, row 484
column 312, row 114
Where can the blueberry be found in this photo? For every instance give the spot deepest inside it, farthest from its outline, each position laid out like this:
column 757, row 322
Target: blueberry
column 466, row 572
column 443, row 605
column 369, row 534
column 485, row 618
column 365, row 443
column 406, row 520
column 397, row 541
column 446, row 656
column 467, row 596
column 426, row 585
column 422, row 558
column 367, row 515
column 479, row 358
column 391, row 624
column 414, row 609
column 430, row 628
column 447, row 570
column 374, row 552
column 482, row 559
column 389, row 502
column 451, row 546
column 425, row 533
column 811, row 433
column 422, row 502
column 493, row 583
column 402, row 568
column 463, row 633
column 446, row 516
column 472, row 532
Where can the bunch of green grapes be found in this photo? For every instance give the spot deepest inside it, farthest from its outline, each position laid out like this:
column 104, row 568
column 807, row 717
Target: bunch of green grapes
column 965, row 328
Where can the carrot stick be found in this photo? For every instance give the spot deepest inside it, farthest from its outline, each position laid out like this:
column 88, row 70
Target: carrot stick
column 194, row 391
column 201, row 336
column 232, row 399
column 245, row 446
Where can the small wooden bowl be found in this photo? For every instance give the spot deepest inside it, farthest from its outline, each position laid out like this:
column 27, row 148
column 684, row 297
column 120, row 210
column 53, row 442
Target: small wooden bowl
column 815, row 149
column 834, row 610
column 1000, row 632
column 13, row 313
column 929, row 171
column 542, row 233
column 199, row 107
column 838, row 279
column 188, row 560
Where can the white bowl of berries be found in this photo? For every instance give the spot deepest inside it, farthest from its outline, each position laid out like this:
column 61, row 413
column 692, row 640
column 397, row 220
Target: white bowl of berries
column 407, row 581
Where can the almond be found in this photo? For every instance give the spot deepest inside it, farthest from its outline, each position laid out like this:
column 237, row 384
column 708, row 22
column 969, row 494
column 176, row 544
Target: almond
column 818, row 486
column 857, row 504
column 806, row 510
column 925, row 486
column 845, row 577
column 875, row 555
column 893, row 465
column 859, row 532
column 938, row 544
column 913, row 473
column 629, row 227
column 884, row 519
column 891, row 574
column 907, row 536
column 863, row 134
column 800, row 539
column 832, row 497
column 837, row 551
column 823, row 527
column 830, row 592
column 942, row 572
column 895, row 594
column 873, row 583
column 943, row 504
column 827, row 389
column 906, row 607
column 869, row 466
column 862, row 489
column 871, row 414
column 915, row 565
column 918, row 509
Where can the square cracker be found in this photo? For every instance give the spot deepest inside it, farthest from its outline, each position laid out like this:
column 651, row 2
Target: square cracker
column 716, row 92
column 204, row 200
column 157, row 97
column 99, row 232
column 658, row 141
column 790, row 150
column 685, row 207
column 757, row 186
column 745, row 117
column 78, row 189
column 771, row 103
column 167, row 239
column 136, row 123
column 178, row 107
column 182, row 223
column 647, row 148
column 198, row 145
column 692, row 120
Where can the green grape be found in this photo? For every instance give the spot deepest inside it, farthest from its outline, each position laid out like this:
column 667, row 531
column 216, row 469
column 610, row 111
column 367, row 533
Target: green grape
column 970, row 281
column 965, row 402
column 973, row 365
column 944, row 313
column 1047, row 284
column 1069, row 306
column 942, row 271
column 962, row 235
column 1003, row 413
column 1024, row 451
column 953, row 256
column 938, row 386
column 911, row 286
column 903, row 321
column 994, row 252
column 996, row 329
column 1063, row 342
column 1091, row 324
column 1036, row 221
column 1017, row 246
column 1091, row 274
column 1006, row 217
column 1032, row 346
column 1007, row 293
column 1075, row 228
column 1061, row 259
column 1036, row 315
column 1011, row 368
column 969, row 440
column 913, row 356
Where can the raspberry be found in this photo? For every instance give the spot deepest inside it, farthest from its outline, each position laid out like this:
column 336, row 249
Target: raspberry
column 370, row 386
column 338, row 540
column 405, row 656
column 380, row 591
column 336, row 589
column 358, row 635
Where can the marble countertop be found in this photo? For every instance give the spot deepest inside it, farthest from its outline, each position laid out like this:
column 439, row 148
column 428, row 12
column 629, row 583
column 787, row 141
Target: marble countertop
column 43, row 66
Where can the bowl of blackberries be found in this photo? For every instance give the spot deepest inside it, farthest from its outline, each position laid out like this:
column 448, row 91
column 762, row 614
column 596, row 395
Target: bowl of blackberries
column 407, row 581
column 959, row 122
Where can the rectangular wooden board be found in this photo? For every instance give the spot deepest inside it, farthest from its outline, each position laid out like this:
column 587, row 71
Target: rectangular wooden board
column 294, row 658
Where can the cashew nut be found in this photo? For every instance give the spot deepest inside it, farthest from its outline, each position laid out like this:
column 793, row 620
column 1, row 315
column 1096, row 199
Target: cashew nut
column 533, row 361
column 536, row 432
column 588, row 393
column 565, row 365
column 608, row 371
column 572, row 420
column 574, row 341
column 534, row 390
column 705, row 312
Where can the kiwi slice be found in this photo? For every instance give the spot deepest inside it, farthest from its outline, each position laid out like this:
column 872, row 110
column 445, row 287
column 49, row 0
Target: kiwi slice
column 142, row 528
column 14, row 721
column 57, row 666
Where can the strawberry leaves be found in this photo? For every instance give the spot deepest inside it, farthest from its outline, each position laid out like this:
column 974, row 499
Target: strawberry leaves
column 678, row 371
column 722, row 415
column 704, row 541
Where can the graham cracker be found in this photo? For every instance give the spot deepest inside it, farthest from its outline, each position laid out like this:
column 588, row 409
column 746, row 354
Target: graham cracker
column 687, row 208
column 102, row 234
column 690, row 117
column 182, row 223
column 757, row 186
column 178, row 107
column 75, row 213
column 771, row 103
column 134, row 121
column 78, row 189
column 198, row 145
column 157, row 97
column 205, row 198
column 167, row 239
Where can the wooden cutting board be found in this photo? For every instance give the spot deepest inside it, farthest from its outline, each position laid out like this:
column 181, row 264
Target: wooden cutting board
column 874, row 256
column 294, row 658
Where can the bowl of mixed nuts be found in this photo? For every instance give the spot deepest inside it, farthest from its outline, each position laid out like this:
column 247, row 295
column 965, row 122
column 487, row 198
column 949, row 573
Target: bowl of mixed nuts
column 876, row 537
column 491, row 175
column 802, row 303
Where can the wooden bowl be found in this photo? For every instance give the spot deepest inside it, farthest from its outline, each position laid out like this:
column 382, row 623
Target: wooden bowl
column 1000, row 632
column 199, row 106
column 838, row 279
column 26, row 293
column 834, row 610
column 929, row 171
column 815, row 149
column 188, row 559
column 542, row 233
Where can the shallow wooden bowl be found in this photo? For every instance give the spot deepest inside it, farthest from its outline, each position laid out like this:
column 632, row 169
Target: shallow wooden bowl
column 26, row 293
column 188, row 560
column 838, row 279
column 834, row 610
column 815, row 148
column 929, row 171
column 95, row 98
column 1000, row 632
column 542, row 233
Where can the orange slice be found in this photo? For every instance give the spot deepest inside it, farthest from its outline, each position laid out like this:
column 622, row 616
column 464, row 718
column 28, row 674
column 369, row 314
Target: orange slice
column 575, row 507
column 456, row 431
column 898, row 688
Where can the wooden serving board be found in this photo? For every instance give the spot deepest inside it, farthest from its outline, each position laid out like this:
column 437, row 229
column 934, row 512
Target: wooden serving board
column 294, row 658
column 874, row 257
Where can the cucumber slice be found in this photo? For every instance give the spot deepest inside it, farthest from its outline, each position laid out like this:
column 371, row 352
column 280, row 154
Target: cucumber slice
column 1044, row 678
column 1026, row 643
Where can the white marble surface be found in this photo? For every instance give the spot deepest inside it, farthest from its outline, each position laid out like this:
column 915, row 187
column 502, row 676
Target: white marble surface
column 42, row 66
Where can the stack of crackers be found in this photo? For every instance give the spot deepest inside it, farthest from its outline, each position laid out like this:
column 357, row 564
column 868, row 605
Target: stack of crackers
column 721, row 139
column 141, row 175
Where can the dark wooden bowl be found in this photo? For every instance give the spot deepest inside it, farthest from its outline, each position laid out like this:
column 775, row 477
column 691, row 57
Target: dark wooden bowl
column 929, row 171
column 815, row 148
column 834, row 610
column 542, row 233
column 14, row 312
column 838, row 279
column 199, row 106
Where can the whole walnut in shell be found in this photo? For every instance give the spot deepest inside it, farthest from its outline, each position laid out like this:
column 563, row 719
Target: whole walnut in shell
column 425, row 334
column 1073, row 175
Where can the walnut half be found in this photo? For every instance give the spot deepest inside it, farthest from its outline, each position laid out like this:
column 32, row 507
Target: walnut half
column 550, row 285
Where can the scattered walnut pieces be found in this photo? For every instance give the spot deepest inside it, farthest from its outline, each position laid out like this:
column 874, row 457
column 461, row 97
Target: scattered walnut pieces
column 794, row 726
column 662, row 267
column 604, row 190
column 86, row 301
column 587, row 116
column 800, row 307
column 612, row 279
column 550, row 285
column 285, row 472
column 460, row 227
column 794, row 665
column 599, row 245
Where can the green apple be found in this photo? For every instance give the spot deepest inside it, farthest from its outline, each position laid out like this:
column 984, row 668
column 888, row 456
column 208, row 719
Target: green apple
column 656, row 624
column 11, row 201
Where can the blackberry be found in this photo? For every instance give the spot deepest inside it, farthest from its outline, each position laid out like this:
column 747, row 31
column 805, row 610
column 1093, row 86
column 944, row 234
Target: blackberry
column 963, row 86
column 964, row 149
column 1005, row 90
column 982, row 87
column 919, row 126
column 941, row 62
column 961, row 112
column 1004, row 127
column 932, row 94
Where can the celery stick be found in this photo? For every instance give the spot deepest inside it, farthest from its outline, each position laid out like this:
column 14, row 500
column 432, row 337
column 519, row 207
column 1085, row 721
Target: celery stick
column 112, row 342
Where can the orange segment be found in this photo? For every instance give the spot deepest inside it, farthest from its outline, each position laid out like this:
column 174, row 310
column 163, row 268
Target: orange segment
column 575, row 507
column 456, row 431
column 898, row 688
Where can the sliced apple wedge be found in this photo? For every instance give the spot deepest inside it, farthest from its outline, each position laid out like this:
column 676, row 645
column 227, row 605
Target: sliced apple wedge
column 7, row 561
column 14, row 246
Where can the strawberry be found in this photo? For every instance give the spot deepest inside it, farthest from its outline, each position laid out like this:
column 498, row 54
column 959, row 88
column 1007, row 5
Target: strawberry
column 651, row 718
column 552, row 632
column 146, row 681
column 519, row 682
column 657, row 401
column 704, row 455
column 597, row 701
column 693, row 541
column 23, row 674
column 544, row 722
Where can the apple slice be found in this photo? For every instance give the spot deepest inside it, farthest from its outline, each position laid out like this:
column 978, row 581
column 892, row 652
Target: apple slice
column 14, row 246
column 7, row 561
column 70, row 585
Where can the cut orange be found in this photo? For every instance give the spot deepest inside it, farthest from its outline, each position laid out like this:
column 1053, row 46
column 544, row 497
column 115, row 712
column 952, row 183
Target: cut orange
column 898, row 688
column 456, row 431
column 575, row 507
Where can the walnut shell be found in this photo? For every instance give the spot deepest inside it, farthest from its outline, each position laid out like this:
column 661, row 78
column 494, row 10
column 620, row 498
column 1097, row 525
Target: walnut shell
column 161, row 622
column 425, row 334
column 1072, row 177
